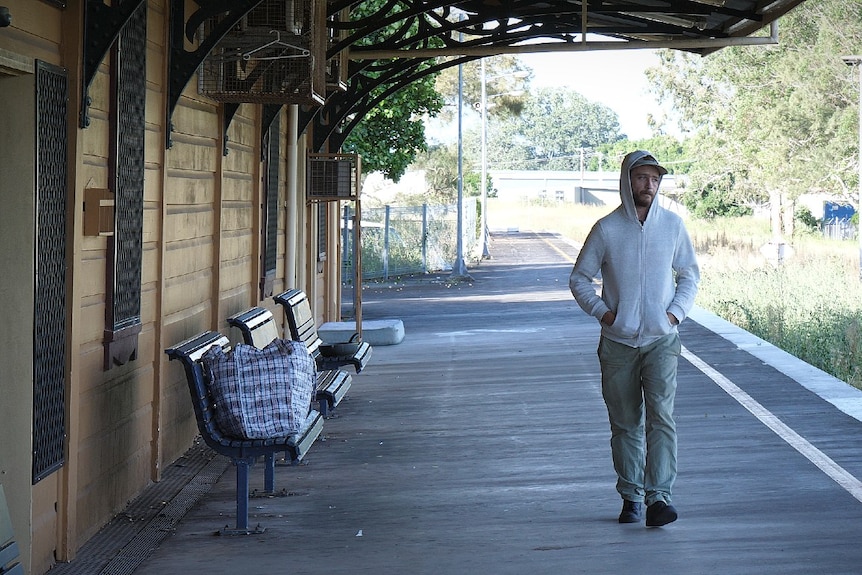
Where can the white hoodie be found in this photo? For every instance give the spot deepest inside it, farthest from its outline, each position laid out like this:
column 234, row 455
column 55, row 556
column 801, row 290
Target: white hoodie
column 647, row 270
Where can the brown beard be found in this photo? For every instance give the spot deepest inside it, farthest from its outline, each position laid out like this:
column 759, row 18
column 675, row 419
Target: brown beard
column 639, row 202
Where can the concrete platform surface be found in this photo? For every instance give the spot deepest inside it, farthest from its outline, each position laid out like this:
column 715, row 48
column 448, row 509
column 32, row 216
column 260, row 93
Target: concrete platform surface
column 479, row 446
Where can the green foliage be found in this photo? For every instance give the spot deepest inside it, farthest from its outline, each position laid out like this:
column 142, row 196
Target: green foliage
column 824, row 328
column 556, row 125
column 471, row 186
column 390, row 135
column 506, row 81
column 778, row 119
column 673, row 154
column 806, row 220
column 440, row 164
column 712, row 202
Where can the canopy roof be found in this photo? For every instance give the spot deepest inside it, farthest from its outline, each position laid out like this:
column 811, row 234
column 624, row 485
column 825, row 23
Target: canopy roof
column 405, row 40
column 487, row 27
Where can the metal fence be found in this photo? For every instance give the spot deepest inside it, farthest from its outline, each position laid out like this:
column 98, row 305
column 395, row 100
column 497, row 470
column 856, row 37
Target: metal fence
column 402, row 240
column 838, row 229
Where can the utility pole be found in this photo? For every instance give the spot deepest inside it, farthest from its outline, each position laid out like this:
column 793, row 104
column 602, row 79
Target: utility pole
column 459, row 268
column 855, row 61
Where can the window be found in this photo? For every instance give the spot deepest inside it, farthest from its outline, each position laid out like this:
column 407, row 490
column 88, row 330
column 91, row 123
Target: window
column 123, row 282
column 49, row 362
column 269, row 227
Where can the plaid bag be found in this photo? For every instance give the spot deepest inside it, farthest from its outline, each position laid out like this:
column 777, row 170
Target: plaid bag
column 261, row 393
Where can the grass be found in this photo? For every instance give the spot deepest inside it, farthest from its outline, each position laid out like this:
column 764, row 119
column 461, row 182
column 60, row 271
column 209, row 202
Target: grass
column 810, row 305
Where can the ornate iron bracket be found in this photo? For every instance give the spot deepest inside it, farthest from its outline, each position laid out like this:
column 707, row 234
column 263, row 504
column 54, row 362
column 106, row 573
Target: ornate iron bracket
column 365, row 92
column 230, row 110
column 102, row 25
column 270, row 111
column 183, row 63
column 415, row 24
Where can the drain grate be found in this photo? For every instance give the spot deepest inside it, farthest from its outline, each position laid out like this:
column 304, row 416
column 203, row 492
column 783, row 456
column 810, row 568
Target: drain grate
column 126, row 542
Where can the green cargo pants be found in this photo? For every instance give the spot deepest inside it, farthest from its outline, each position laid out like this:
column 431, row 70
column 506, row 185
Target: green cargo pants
column 639, row 386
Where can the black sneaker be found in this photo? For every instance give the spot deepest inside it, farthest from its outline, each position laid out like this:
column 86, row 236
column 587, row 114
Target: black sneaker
column 631, row 512
column 660, row 513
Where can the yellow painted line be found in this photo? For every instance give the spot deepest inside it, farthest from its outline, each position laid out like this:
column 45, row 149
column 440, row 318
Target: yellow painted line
column 566, row 256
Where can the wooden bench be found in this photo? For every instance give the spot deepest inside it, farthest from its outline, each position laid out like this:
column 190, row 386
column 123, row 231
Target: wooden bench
column 242, row 452
column 258, row 328
column 9, row 553
column 300, row 321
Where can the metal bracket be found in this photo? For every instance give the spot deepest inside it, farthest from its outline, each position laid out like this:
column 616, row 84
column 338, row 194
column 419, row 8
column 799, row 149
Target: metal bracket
column 330, row 121
column 102, row 25
column 230, row 110
column 268, row 116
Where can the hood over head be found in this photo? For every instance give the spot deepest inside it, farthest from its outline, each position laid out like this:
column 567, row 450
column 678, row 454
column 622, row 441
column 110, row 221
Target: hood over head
column 633, row 160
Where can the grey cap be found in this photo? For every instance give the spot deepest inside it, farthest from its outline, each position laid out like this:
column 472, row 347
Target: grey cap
column 648, row 160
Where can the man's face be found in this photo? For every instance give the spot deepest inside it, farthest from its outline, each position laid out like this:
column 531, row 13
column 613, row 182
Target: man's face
column 645, row 181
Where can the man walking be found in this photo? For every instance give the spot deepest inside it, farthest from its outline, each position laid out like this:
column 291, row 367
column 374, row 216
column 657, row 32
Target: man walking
column 649, row 277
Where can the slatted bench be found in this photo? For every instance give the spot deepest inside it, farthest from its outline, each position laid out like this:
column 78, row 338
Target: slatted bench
column 258, row 328
column 9, row 553
column 242, row 452
column 300, row 321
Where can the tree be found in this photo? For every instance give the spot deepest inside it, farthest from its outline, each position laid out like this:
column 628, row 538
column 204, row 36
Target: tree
column 673, row 154
column 556, row 125
column 390, row 135
column 506, row 82
column 773, row 121
column 440, row 164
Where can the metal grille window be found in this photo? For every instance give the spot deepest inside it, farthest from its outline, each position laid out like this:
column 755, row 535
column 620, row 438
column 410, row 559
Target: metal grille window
column 49, row 343
column 123, row 312
column 270, row 216
column 321, row 232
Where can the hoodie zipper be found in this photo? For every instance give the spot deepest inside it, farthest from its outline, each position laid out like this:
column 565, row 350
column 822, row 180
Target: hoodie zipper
column 642, row 294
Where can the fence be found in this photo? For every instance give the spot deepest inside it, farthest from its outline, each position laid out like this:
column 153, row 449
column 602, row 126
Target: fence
column 838, row 229
column 409, row 240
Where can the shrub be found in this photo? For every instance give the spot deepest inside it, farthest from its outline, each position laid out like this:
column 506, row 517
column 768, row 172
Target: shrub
column 712, row 202
column 806, row 221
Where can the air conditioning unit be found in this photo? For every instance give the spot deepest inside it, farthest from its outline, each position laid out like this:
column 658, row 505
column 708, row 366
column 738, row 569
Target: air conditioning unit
column 333, row 177
column 275, row 55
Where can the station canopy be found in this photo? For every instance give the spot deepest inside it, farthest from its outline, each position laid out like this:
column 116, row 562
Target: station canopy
column 392, row 43
column 488, row 27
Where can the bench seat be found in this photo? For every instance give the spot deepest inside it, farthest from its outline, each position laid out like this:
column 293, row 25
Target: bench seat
column 9, row 550
column 242, row 452
column 258, row 328
column 300, row 322
column 9, row 564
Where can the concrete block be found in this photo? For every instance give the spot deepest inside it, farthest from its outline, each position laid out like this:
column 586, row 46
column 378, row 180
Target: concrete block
column 375, row 331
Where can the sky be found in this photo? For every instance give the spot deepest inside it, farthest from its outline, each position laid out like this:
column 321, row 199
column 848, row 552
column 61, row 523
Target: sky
column 614, row 78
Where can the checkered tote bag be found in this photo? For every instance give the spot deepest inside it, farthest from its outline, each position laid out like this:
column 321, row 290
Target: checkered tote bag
column 261, row 393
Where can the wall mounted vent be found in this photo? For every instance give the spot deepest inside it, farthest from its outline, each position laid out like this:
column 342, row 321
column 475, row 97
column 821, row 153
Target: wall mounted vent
column 333, row 177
